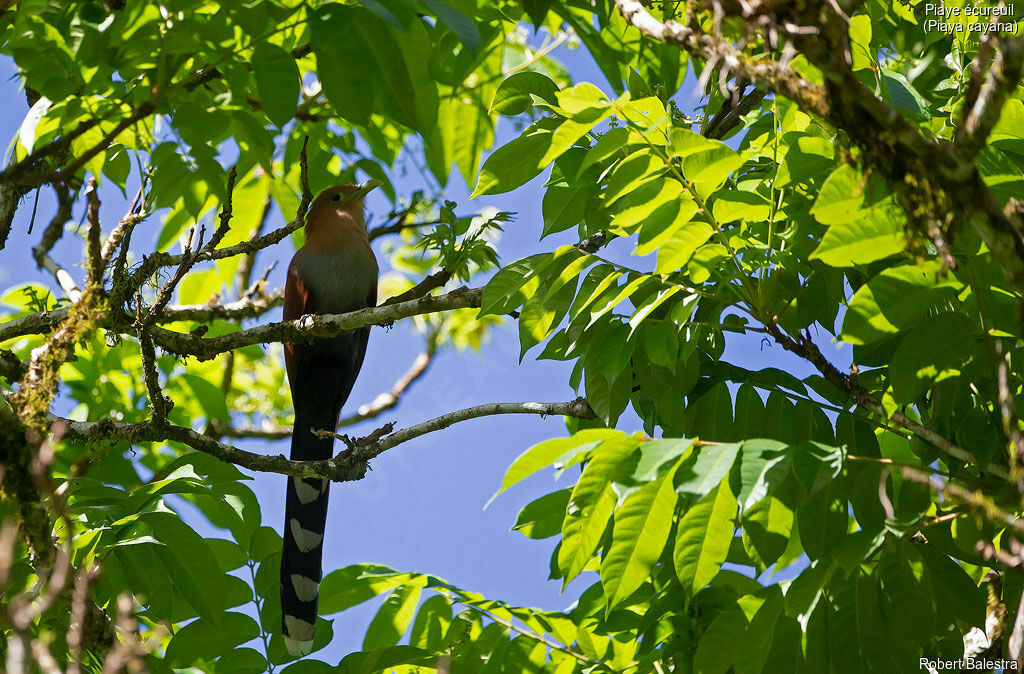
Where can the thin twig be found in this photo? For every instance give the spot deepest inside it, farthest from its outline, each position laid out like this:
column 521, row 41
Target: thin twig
column 123, row 229
column 92, row 215
column 188, row 260
column 53, row 232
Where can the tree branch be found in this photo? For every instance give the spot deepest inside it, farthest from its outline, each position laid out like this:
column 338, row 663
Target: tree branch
column 808, row 350
column 348, row 465
column 1003, row 77
column 94, row 254
column 810, row 96
column 310, row 326
column 930, row 179
column 124, row 227
column 397, row 226
column 727, row 119
column 578, row 408
column 51, row 235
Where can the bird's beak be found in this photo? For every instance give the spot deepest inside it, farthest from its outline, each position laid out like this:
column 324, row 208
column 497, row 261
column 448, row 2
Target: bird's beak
column 364, row 188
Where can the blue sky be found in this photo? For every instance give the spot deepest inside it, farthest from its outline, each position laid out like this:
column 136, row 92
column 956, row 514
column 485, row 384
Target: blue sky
column 421, row 507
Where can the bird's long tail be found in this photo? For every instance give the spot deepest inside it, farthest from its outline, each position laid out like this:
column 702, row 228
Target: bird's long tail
column 304, row 517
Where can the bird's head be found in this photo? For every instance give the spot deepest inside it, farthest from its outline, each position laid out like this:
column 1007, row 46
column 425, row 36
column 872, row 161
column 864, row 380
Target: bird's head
column 340, row 206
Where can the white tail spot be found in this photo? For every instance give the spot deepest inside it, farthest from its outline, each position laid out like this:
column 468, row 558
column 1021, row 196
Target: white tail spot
column 306, row 493
column 305, row 588
column 298, row 637
column 305, row 539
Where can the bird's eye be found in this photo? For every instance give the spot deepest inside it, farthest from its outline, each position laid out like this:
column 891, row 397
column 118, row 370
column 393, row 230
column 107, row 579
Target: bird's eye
column 336, row 196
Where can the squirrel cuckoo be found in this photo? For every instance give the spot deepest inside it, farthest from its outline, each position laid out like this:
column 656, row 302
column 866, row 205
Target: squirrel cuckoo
column 334, row 272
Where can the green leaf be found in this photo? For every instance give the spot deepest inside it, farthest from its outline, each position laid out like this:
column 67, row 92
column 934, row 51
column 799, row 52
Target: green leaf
column 807, row 156
column 537, row 10
column 710, row 415
column 862, row 55
column 515, row 93
column 564, row 205
column 712, row 466
column 583, row 102
column 610, row 301
column 431, row 624
column 515, row 163
column 352, row 585
column 384, row 659
column 512, row 285
column 566, row 134
column 117, row 165
column 717, row 648
column 210, row 397
column 893, row 300
column 857, row 627
column 242, row 661
column 638, row 206
column 544, row 454
column 27, row 130
column 655, row 454
column 203, row 640
column 854, row 549
column 874, row 236
column 363, row 69
column 649, row 305
column 806, row 589
column 458, row 23
column 608, row 144
column 466, row 132
column 935, row 349
column 591, row 503
column 190, row 564
column 607, row 396
column 703, row 538
column 760, row 634
column 542, row 518
column 767, row 526
column 277, row 82
column 1007, row 134
column 393, row 618
column 902, row 94
column 840, row 198
column 663, row 223
column 399, row 13
column 642, row 525
column 952, row 583
column 677, row 250
column 822, row 521
column 706, row 163
column 734, row 205
column 630, row 173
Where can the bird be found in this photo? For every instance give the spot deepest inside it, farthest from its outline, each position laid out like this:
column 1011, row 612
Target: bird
column 334, row 272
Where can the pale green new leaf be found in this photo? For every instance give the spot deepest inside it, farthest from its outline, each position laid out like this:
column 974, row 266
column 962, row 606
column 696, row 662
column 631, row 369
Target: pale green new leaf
column 591, row 504
column 515, row 163
column 876, row 235
column 677, row 250
column 514, row 94
column 641, row 527
column 544, row 454
column 393, row 618
column 703, row 538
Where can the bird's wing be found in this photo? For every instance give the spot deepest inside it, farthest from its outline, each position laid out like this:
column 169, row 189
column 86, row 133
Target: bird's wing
column 297, row 300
